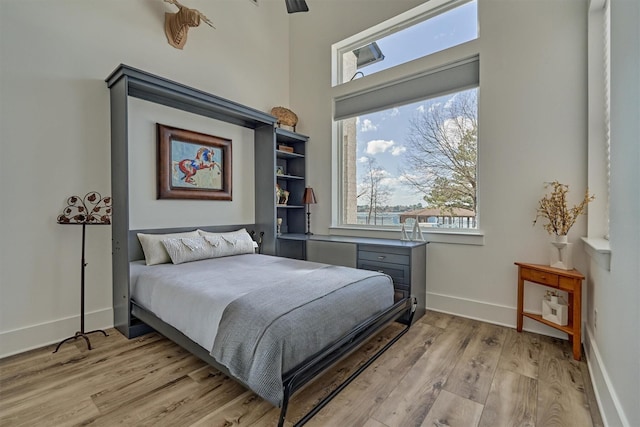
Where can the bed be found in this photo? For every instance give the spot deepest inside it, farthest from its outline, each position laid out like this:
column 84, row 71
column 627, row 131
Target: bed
column 271, row 323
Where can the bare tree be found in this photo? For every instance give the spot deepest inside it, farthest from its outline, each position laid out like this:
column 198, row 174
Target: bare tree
column 441, row 154
column 373, row 192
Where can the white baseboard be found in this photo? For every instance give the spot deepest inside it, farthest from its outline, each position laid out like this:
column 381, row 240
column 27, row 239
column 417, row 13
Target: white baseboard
column 487, row 312
column 35, row 336
column 608, row 402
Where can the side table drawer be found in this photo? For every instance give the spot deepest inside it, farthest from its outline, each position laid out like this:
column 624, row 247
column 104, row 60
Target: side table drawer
column 548, row 279
column 568, row 284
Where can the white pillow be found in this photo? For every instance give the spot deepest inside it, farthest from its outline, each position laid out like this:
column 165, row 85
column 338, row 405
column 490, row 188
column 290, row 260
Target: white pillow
column 232, row 243
column 154, row 250
column 187, row 249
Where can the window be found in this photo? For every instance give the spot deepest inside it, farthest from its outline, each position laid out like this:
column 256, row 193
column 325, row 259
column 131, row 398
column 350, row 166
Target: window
column 408, row 147
column 437, row 26
column 414, row 161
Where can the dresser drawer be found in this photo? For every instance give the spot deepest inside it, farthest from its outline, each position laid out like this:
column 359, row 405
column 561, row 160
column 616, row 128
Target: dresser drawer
column 545, row 278
column 399, row 273
column 383, row 257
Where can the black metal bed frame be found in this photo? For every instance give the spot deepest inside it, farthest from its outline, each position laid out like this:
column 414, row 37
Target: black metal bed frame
column 314, row 365
column 309, row 369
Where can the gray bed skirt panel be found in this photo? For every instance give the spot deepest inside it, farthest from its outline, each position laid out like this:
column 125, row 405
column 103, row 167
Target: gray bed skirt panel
column 177, row 337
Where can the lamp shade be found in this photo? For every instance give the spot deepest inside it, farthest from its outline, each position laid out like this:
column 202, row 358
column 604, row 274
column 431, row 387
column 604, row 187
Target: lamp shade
column 309, row 198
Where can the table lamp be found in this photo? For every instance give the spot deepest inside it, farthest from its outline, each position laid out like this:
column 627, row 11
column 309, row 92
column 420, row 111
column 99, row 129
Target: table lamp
column 308, row 198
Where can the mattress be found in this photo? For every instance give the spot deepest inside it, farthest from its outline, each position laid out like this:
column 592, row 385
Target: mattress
column 192, row 297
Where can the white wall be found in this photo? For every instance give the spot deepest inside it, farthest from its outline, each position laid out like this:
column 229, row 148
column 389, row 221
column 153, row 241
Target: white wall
column 54, row 122
column 612, row 342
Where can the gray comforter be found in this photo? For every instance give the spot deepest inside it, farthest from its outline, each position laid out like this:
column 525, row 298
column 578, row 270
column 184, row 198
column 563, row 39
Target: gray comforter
column 271, row 330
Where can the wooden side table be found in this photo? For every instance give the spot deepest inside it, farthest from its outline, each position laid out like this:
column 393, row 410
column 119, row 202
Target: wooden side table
column 569, row 281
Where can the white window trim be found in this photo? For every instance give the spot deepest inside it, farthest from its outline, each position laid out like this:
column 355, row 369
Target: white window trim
column 597, row 244
column 405, row 71
column 599, row 250
column 473, row 237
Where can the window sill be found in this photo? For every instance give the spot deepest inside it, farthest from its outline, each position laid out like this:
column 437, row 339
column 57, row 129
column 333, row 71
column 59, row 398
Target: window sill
column 599, row 250
column 450, row 236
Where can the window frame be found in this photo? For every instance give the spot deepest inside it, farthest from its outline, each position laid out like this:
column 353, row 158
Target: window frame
column 419, row 67
column 398, row 23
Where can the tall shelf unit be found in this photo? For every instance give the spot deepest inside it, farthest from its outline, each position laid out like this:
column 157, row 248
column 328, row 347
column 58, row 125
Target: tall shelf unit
column 292, row 178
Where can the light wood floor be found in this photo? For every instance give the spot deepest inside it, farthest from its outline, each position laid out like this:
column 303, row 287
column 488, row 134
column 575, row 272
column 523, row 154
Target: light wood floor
column 446, row 371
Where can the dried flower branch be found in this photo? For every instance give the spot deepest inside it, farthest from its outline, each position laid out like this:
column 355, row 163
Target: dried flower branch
column 553, row 208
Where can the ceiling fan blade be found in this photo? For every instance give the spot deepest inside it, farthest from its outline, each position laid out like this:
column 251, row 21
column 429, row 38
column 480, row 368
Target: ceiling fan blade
column 294, row 6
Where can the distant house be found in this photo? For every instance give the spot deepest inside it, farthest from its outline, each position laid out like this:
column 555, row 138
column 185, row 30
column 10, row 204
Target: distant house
column 455, row 217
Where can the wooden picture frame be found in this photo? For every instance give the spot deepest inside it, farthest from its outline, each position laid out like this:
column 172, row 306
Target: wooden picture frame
column 192, row 165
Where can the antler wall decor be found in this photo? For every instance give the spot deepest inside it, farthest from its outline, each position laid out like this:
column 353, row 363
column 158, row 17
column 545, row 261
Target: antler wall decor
column 176, row 25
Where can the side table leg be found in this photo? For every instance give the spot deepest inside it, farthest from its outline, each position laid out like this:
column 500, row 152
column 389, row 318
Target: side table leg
column 520, row 300
column 577, row 321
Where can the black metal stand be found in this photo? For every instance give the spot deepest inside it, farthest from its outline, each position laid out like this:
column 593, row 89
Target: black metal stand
column 308, row 221
column 81, row 333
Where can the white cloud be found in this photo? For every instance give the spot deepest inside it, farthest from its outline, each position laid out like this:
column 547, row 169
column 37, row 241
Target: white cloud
column 405, row 178
column 392, row 181
column 363, row 159
column 450, row 101
column 430, row 109
column 396, row 151
column 367, row 125
column 378, row 146
column 390, row 113
column 382, row 174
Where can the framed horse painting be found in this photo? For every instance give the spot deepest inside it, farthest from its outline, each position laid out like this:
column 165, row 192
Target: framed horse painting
column 193, row 165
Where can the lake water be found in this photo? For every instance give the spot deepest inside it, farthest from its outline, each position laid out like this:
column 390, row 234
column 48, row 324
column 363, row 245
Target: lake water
column 381, row 218
column 393, row 218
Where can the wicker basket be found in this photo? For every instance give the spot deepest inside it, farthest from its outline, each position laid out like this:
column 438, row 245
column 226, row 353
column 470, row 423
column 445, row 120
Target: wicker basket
column 285, row 117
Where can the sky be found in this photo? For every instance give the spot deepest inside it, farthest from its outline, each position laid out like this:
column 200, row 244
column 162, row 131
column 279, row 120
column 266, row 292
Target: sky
column 382, row 135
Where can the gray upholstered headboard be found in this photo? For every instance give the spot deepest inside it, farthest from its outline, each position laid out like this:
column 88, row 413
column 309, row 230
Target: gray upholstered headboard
column 135, row 249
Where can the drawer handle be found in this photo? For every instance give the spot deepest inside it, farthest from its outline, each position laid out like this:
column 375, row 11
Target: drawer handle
column 381, row 257
column 543, row 277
